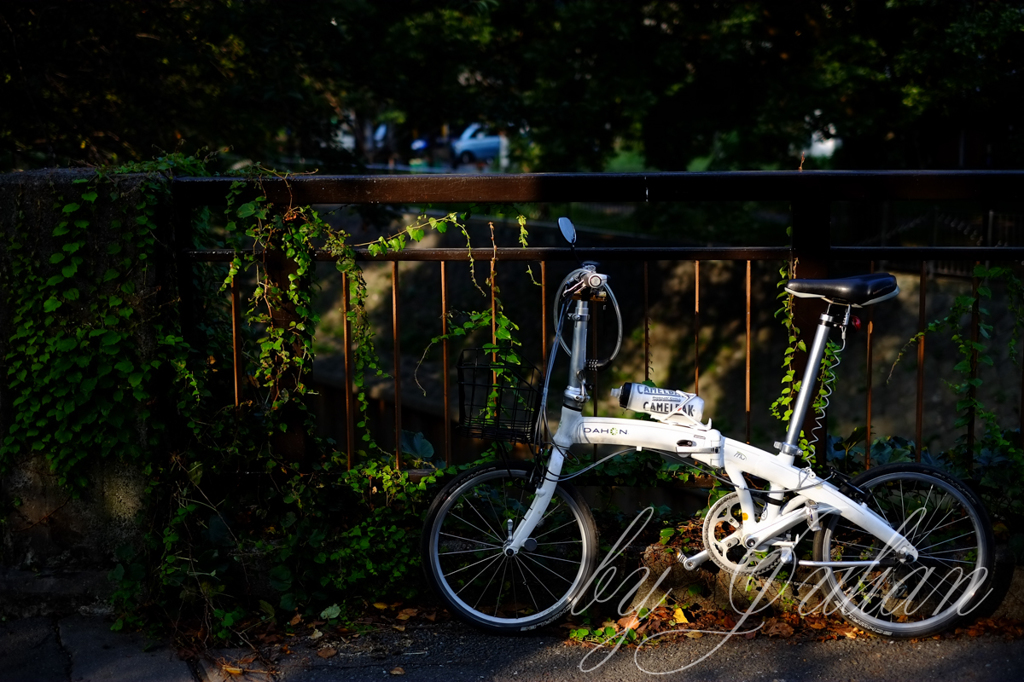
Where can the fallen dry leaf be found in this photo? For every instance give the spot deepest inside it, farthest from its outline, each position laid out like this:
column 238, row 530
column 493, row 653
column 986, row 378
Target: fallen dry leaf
column 777, row 628
column 327, row 653
column 380, row 605
column 397, row 671
column 815, row 621
column 296, row 620
column 630, row 621
column 679, row 617
column 406, row 614
column 693, row 634
column 400, row 628
column 231, row 669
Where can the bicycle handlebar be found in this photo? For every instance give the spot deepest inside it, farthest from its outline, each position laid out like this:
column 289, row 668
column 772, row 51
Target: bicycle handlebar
column 589, row 284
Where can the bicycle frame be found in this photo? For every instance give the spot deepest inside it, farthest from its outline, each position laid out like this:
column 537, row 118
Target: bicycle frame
column 815, row 496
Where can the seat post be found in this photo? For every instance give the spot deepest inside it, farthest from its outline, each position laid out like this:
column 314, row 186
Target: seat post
column 803, row 400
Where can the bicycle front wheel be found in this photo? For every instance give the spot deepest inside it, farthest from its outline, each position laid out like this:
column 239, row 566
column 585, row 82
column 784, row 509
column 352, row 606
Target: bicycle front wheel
column 463, row 553
column 947, row 524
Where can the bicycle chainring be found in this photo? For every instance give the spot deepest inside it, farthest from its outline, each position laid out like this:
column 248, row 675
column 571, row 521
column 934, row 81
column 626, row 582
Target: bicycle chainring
column 722, row 538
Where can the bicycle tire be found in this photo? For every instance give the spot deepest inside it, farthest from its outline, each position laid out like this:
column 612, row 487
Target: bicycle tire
column 462, row 550
column 951, row 530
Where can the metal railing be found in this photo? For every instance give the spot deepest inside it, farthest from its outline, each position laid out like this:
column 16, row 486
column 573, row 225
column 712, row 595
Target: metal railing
column 810, row 194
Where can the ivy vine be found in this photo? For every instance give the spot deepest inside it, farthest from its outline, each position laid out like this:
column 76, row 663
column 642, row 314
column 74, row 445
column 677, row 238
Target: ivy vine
column 782, row 407
column 237, row 531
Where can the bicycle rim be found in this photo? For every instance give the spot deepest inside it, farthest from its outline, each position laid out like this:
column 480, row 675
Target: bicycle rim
column 464, row 557
column 951, row 532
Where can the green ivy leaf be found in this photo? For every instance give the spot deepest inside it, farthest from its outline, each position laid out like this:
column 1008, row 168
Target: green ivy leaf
column 246, row 210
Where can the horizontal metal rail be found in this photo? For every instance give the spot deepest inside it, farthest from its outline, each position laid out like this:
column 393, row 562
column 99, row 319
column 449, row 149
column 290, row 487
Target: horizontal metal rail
column 619, row 187
column 852, row 253
column 535, row 254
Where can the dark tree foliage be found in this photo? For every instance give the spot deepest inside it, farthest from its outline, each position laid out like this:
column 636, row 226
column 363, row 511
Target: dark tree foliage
column 709, row 84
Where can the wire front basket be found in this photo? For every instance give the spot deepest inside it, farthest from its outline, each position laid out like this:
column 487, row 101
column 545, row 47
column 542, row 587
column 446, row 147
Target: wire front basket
column 498, row 400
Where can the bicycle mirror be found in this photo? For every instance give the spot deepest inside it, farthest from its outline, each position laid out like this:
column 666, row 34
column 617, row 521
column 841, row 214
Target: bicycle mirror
column 568, row 230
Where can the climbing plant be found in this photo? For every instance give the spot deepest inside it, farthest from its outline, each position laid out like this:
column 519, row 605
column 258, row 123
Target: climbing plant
column 782, row 407
column 247, row 517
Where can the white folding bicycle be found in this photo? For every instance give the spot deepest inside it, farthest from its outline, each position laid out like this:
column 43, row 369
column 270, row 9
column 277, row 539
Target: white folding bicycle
column 902, row 550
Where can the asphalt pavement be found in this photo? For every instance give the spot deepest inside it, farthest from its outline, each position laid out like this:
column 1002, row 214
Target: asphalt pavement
column 82, row 649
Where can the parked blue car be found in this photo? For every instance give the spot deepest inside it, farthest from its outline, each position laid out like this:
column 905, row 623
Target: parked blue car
column 476, row 143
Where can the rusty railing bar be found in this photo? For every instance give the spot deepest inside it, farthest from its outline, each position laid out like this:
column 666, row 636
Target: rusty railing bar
column 494, row 310
column 236, row 343
column 696, row 327
column 922, row 323
column 916, row 253
column 544, row 341
column 747, row 374
column 350, row 421
column 647, row 324
column 847, row 253
column 869, row 353
column 539, row 254
column 444, row 365
column 972, row 392
column 398, row 365
column 613, row 187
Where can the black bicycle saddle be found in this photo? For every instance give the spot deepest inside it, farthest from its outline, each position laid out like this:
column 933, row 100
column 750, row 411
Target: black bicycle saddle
column 857, row 291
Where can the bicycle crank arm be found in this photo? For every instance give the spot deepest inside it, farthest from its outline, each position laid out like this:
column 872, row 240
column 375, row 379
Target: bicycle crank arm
column 691, row 563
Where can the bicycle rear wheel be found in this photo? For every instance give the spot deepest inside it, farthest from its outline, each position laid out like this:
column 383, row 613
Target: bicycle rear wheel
column 465, row 529
column 948, row 525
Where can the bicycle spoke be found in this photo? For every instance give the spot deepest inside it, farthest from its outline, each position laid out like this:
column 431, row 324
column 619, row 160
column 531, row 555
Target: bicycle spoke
column 497, row 536
column 533, row 555
column 546, row 568
column 570, row 522
column 458, row 551
column 560, row 542
column 477, row 563
column 478, row 542
column 501, row 584
column 533, row 598
column 541, row 582
column 942, row 542
column 473, row 579
column 474, row 527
